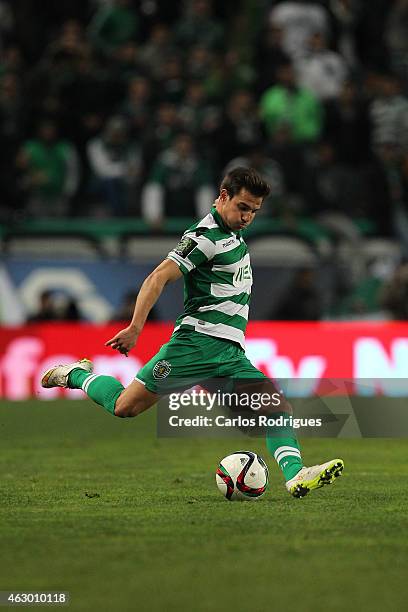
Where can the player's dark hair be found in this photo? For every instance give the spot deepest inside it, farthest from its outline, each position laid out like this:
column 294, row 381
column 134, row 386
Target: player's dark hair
column 245, row 178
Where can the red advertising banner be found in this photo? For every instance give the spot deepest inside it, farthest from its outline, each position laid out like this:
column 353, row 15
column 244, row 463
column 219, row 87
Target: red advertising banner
column 309, row 351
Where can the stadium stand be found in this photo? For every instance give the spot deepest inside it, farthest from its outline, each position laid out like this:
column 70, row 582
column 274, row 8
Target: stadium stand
column 95, row 96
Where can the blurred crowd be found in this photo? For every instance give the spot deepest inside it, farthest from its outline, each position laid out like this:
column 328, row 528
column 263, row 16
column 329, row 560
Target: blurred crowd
column 137, row 108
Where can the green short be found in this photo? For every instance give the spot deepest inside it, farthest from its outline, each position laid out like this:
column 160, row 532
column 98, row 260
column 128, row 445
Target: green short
column 190, row 357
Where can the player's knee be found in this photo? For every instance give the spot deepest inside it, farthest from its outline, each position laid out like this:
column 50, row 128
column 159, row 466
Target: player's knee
column 125, row 408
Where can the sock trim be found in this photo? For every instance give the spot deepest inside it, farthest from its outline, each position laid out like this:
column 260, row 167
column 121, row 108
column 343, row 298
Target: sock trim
column 282, row 449
column 287, row 454
column 88, row 381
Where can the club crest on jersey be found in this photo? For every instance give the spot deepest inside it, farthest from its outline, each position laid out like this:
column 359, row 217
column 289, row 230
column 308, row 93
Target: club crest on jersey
column 185, row 246
column 161, row 369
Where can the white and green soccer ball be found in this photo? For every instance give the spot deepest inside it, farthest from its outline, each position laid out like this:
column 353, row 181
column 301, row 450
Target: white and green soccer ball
column 242, row 475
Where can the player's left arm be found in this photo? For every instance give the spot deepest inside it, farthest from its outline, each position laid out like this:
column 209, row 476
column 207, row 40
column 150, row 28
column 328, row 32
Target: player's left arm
column 148, row 295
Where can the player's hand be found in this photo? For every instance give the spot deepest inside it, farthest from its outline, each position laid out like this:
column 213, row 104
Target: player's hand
column 123, row 341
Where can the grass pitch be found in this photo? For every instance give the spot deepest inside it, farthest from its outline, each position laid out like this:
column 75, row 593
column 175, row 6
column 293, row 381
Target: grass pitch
column 122, row 520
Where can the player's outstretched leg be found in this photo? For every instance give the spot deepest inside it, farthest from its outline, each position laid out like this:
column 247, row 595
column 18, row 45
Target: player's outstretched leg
column 106, row 391
column 310, row 478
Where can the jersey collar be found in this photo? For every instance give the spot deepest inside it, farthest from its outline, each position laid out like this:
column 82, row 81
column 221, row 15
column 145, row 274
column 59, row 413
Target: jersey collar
column 221, row 223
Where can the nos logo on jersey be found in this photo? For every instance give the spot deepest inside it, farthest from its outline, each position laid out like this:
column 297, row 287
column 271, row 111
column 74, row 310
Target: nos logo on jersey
column 242, row 275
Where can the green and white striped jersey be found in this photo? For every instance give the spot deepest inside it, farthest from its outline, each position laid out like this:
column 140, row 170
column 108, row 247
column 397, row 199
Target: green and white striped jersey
column 217, row 279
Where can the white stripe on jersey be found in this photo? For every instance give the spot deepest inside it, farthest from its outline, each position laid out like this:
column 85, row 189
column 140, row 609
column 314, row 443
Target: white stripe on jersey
column 215, row 329
column 208, row 221
column 228, row 308
column 224, row 290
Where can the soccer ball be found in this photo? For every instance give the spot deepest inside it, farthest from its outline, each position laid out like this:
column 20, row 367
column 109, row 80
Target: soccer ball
column 242, row 475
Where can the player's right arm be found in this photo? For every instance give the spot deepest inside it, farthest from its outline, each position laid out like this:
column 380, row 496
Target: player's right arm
column 148, row 295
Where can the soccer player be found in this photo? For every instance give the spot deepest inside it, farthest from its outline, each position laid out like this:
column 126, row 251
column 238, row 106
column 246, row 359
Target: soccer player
column 208, row 339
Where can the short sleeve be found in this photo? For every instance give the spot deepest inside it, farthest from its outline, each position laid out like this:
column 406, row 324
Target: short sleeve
column 192, row 251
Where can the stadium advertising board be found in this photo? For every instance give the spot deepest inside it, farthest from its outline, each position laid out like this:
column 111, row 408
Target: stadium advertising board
column 309, row 351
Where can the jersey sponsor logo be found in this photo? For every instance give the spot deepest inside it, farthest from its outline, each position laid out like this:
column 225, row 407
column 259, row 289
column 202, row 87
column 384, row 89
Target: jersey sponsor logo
column 162, row 369
column 185, row 246
column 243, row 274
column 225, row 244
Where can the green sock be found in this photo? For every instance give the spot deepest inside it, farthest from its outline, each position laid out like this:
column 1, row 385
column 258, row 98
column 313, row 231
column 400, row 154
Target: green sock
column 104, row 390
column 281, row 442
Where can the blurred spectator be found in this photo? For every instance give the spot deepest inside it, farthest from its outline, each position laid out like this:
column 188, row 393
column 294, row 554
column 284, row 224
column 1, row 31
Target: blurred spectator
column 56, row 70
column 330, row 186
column 240, row 127
column 347, row 126
column 229, row 73
column 126, row 309
column 158, row 46
column 389, row 113
column 70, row 40
column 115, row 162
column 180, row 184
column 87, row 99
column 113, row 25
column 196, row 115
column 56, row 306
column 137, row 105
column 299, row 20
column 269, row 56
column 70, row 311
column 270, row 170
column 302, row 301
column 286, row 103
column 198, row 26
column 199, row 63
column 290, row 157
column 160, row 134
column 47, row 308
column 125, row 64
column 50, row 171
column 170, row 88
column 321, row 70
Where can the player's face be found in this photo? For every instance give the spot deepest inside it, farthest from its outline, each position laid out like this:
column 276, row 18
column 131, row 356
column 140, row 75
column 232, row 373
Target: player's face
column 239, row 211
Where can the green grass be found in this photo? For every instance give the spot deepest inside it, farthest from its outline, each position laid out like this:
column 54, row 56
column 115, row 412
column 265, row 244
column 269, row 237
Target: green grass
column 158, row 536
